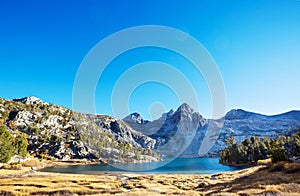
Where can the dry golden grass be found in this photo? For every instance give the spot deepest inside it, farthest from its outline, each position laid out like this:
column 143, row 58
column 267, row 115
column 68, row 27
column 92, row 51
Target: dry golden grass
column 276, row 179
column 32, row 163
column 37, row 183
column 264, row 162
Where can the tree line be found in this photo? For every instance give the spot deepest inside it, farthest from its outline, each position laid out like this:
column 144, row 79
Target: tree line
column 283, row 148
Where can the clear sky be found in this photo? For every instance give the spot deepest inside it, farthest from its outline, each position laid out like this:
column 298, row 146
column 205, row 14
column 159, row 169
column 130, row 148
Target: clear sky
column 256, row 45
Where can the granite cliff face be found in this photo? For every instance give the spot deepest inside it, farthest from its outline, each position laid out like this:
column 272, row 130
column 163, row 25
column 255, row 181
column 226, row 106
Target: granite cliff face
column 178, row 132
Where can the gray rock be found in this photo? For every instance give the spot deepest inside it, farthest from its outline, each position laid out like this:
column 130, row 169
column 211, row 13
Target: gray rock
column 214, row 178
column 202, row 184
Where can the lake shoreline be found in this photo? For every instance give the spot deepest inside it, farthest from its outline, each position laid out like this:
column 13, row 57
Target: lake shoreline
column 172, row 166
column 281, row 178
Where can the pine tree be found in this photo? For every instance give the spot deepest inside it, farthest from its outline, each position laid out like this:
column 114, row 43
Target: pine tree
column 6, row 147
column 296, row 141
column 259, row 149
column 21, row 145
column 277, row 151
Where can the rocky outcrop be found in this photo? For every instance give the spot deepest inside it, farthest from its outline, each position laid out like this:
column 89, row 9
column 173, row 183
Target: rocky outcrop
column 30, row 100
column 66, row 151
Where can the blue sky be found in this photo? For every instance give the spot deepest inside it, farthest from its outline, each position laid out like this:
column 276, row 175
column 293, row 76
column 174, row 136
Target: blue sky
column 255, row 44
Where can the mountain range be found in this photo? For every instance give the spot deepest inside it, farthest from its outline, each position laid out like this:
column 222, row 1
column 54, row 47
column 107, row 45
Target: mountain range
column 209, row 134
column 60, row 133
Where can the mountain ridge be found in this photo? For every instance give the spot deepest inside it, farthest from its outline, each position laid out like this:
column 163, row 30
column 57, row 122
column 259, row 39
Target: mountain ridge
column 236, row 122
column 297, row 112
column 182, row 132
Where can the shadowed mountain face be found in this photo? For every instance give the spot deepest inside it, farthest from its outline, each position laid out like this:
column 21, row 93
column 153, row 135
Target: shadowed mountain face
column 209, row 135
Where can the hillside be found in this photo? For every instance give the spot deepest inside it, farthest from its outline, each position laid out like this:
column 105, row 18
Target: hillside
column 56, row 132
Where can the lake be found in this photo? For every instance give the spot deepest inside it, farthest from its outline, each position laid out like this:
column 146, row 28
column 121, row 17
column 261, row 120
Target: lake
column 177, row 166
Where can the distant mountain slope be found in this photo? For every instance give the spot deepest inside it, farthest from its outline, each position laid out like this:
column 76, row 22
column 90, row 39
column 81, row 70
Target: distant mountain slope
column 144, row 126
column 121, row 131
column 242, row 124
column 238, row 123
column 57, row 132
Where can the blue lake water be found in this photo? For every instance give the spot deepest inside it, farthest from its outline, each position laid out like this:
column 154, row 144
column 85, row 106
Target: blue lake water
column 177, row 166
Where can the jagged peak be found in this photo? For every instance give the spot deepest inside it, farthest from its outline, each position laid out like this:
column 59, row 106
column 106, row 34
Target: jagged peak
column 135, row 114
column 185, row 108
column 136, row 117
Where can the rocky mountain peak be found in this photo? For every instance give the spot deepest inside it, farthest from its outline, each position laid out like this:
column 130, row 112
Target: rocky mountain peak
column 185, row 111
column 135, row 117
column 185, row 108
column 29, row 100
